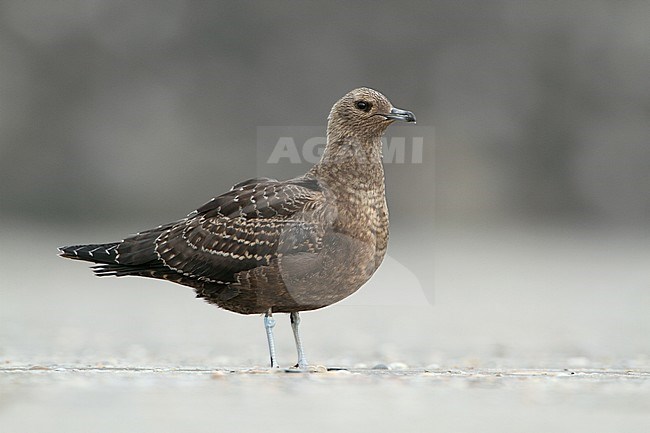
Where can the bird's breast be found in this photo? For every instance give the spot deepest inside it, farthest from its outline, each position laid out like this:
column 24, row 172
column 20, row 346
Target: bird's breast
column 363, row 216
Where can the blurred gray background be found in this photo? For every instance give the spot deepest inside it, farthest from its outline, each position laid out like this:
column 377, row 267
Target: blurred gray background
column 139, row 108
column 522, row 240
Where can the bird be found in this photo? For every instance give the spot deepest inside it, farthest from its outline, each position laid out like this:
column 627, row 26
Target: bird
column 278, row 246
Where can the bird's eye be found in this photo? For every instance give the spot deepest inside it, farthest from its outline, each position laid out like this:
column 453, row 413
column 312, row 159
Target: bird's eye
column 363, row 105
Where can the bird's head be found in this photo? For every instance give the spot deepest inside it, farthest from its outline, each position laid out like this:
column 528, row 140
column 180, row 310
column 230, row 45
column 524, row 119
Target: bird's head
column 364, row 112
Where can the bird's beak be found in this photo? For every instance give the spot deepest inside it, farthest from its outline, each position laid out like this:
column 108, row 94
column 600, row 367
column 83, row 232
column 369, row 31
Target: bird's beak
column 397, row 114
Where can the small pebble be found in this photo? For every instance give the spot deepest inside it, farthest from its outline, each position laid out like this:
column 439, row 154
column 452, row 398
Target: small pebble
column 381, row 367
column 39, row 367
column 340, row 371
column 217, row 375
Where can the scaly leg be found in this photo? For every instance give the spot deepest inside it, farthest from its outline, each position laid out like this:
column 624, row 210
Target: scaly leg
column 269, row 323
column 295, row 323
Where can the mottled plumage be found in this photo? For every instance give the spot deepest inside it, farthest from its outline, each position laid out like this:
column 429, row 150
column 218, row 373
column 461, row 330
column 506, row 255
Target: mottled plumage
column 270, row 246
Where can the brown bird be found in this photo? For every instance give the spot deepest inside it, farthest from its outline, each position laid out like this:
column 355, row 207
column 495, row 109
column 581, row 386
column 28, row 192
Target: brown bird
column 269, row 246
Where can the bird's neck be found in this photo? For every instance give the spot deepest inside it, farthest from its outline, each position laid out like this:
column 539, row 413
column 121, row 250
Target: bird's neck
column 351, row 163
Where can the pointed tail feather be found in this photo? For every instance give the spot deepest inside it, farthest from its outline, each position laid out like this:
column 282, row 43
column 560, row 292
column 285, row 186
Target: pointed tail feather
column 97, row 253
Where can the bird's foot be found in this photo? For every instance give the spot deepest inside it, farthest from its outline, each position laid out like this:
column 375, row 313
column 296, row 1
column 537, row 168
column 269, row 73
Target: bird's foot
column 305, row 368
column 302, row 365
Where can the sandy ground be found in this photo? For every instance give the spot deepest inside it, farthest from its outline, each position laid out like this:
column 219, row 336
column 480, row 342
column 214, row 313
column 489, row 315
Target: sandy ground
column 509, row 329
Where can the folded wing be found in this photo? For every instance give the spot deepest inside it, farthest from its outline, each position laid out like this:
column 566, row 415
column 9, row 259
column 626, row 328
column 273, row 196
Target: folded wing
column 250, row 226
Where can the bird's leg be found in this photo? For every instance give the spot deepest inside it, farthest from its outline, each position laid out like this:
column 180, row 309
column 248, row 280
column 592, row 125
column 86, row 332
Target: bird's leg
column 295, row 323
column 269, row 323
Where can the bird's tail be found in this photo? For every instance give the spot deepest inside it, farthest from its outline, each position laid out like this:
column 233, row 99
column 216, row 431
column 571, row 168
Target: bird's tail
column 96, row 253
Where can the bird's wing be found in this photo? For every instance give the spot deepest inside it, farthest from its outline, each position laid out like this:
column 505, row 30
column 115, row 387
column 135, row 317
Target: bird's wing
column 247, row 227
column 264, row 198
